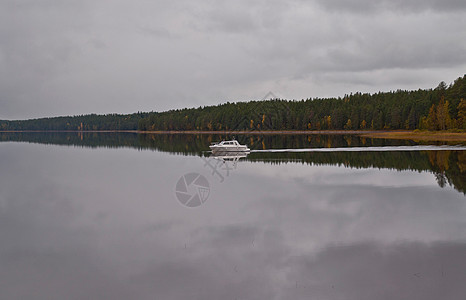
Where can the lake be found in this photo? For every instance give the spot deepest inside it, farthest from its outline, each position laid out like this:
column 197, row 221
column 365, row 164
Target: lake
column 128, row 216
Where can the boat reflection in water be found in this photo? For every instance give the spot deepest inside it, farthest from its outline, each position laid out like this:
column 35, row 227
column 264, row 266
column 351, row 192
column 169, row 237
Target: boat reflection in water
column 222, row 162
column 229, row 157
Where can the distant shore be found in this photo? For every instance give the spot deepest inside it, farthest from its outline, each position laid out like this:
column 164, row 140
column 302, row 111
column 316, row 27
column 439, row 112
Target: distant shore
column 418, row 135
column 255, row 132
column 415, row 135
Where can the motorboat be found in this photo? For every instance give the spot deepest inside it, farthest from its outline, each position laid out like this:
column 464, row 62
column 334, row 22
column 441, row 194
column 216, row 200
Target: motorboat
column 228, row 146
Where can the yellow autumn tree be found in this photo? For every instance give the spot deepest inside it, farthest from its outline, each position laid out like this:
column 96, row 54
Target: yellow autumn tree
column 348, row 124
column 328, row 120
column 363, row 124
column 443, row 116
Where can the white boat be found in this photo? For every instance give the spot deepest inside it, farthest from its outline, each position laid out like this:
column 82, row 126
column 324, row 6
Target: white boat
column 228, row 146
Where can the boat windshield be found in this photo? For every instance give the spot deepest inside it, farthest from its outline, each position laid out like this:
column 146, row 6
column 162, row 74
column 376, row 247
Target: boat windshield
column 223, row 143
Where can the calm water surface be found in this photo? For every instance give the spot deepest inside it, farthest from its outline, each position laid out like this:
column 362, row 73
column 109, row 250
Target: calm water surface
column 99, row 218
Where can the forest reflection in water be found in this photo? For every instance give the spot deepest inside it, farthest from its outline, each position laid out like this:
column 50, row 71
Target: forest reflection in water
column 448, row 166
column 99, row 219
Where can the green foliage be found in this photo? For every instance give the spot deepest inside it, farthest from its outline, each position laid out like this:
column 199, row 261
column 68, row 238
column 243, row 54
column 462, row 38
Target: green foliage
column 91, row 122
column 461, row 120
column 433, row 109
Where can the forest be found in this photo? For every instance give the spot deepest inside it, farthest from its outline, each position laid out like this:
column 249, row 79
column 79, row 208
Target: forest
column 439, row 108
column 92, row 122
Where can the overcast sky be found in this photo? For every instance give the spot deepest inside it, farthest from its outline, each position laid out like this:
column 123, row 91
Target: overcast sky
column 100, row 56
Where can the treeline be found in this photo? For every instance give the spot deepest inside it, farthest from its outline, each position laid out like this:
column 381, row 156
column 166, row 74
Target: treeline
column 443, row 107
column 436, row 109
column 78, row 123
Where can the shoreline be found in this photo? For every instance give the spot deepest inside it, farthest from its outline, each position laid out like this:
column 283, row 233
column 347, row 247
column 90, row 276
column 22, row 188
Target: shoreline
column 427, row 136
column 415, row 135
column 245, row 132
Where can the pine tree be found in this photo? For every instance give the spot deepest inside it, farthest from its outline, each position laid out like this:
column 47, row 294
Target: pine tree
column 431, row 121
column 461, row 119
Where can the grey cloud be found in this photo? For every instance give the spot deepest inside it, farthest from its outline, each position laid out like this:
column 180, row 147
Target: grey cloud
column 363, row 6
column 393, row 56
column 97, row 56
column 36, row 43
column 231, row 21
column 157, row 32
column 247, row 17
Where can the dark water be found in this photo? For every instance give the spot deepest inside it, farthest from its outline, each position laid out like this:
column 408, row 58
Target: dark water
column 100, row 218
